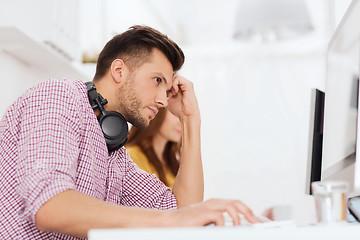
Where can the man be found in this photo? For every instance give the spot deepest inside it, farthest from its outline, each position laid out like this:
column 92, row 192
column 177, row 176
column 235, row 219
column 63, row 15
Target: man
column 58, row 177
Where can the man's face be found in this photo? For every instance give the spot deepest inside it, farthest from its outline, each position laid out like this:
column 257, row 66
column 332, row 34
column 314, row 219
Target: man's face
column 145, row 90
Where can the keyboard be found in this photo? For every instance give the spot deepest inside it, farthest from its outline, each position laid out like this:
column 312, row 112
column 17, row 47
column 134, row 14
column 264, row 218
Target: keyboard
column 265, row 223
column 269, row 224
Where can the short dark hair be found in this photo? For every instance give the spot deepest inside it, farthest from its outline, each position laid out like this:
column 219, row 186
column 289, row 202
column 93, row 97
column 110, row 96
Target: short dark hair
column 135, row 46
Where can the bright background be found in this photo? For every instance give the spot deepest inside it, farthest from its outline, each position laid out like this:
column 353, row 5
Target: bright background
column 254, row 96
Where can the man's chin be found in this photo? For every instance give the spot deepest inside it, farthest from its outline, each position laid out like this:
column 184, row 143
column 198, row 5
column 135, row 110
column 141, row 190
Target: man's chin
column 141, row 127
column 140, row 124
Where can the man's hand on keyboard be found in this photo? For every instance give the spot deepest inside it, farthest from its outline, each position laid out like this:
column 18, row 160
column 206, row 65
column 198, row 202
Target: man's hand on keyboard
column 211, row 212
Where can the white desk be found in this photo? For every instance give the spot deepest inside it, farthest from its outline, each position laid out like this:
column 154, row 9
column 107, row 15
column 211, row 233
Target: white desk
column 338, row 232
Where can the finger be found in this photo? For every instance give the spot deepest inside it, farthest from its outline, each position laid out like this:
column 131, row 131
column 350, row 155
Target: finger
column 263, row 219
column 232, row 211
column 233, row 207
column 181, row 84
column 175, row 85
column 213, row 218
column 268, row 213
column 174, row 98
column 246, row 211
column 218, row 219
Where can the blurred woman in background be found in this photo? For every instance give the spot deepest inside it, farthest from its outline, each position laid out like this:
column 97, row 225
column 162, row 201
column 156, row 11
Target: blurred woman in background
column 156, row 149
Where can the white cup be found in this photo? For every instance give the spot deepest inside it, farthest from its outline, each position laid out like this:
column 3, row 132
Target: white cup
column 330, row 201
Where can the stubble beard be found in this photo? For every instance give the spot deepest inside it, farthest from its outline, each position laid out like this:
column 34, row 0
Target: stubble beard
column 130, row 104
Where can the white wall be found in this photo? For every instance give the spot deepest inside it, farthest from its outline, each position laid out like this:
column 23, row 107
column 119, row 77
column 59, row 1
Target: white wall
column 255, row 107
column 16, row 77
column 38, row 41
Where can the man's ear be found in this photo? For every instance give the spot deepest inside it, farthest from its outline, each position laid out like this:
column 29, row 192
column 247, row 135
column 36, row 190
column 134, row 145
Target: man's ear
column 117, row 69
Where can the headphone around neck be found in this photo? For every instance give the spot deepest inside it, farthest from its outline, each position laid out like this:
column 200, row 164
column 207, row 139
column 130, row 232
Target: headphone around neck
column 113, row 125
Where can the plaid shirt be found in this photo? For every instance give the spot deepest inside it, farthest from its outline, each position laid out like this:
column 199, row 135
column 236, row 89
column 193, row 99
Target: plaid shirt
column 51, row 141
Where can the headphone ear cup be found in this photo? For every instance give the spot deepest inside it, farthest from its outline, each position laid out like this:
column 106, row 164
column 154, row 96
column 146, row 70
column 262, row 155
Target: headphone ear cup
column 115, row 129
column 113, row 125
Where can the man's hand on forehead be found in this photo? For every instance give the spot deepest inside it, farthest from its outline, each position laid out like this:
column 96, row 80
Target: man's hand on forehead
column 176, row 84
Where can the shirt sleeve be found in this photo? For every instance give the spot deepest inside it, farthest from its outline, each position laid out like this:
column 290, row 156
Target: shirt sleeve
column 142, row 189
column 48, row 145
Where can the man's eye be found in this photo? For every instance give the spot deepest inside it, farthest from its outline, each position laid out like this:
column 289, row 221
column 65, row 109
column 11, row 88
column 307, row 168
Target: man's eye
column 158, row 80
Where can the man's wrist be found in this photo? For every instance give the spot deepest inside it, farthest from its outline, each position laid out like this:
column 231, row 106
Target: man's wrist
column 193, row 119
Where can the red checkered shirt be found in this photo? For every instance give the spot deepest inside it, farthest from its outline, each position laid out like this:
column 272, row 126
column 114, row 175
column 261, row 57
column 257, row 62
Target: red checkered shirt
column 51, row 141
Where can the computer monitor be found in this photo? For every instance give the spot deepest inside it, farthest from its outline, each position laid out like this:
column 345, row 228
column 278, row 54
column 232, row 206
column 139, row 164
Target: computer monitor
column 341, row 121
column 315, row 138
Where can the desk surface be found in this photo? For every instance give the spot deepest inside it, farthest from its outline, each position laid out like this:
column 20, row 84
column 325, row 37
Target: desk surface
column 340, row 231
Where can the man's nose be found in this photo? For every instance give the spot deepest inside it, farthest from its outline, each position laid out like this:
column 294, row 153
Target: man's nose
column 162, row 100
